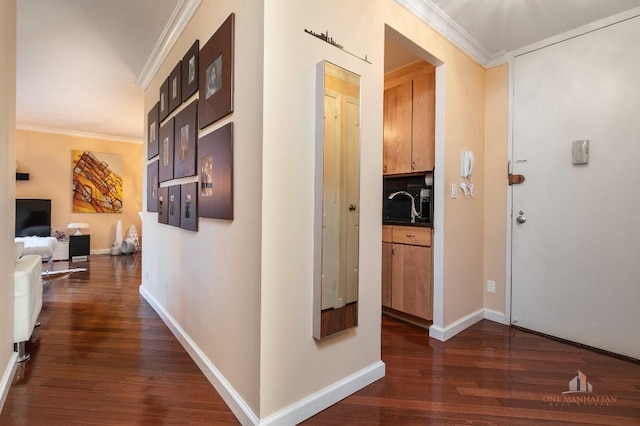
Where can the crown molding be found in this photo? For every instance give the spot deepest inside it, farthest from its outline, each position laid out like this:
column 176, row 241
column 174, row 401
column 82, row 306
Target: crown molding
column 433, row 16
column 179, row 19
column 74, row 133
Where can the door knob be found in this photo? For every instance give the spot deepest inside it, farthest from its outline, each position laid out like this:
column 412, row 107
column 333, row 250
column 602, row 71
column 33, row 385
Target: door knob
column 521, row 218
column 352, row 207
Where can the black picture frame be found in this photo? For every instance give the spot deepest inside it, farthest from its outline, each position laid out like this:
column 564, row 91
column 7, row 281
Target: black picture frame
column 163, row 109
column 153, row 123
column 175, row 87
column 185, row 137
column 189, row 206
column 153, row 183
column 215, row 168
column 163, row 205
column 190, row 71
column 166, row 145
column 174, row 205
column 216, row 68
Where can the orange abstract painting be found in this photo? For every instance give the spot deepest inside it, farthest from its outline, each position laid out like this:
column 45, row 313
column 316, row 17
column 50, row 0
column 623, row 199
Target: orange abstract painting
column 97, row 182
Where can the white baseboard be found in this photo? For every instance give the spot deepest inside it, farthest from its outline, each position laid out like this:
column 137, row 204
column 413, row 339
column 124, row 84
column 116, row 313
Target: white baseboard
column 324, row 398
column 495, row 316
column 7, row 378
column 293, row 414
column 446, row 333
column 233, row 400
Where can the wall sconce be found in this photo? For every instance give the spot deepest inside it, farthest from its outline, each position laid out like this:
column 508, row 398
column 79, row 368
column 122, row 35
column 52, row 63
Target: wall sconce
column 78, row 226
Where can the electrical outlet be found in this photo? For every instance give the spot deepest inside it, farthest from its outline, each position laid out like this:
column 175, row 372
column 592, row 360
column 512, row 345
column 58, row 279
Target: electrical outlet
column 454, row 190
column 491, row 286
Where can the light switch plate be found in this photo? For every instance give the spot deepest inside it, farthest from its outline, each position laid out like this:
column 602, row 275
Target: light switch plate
column 580, row 152
column 491, row 286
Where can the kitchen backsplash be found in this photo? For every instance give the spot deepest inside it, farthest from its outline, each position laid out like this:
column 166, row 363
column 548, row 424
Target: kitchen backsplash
column 398, row 209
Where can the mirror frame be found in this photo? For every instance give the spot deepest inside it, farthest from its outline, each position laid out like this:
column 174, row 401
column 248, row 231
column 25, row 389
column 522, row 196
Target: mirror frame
column 321, row 91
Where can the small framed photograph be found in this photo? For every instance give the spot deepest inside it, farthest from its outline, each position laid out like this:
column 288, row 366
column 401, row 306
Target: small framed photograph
column 175, row 87
column 153, row 121
column 215, row 168
column 163, row 205
column 189, row 206
column 174, row 205
column 185, row 136
column 163, row 108
column 216, row 74
column 152, row 186
column 190, row 71
column 165, row 167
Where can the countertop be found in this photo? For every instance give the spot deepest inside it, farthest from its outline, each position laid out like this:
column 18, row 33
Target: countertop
column 406, row 223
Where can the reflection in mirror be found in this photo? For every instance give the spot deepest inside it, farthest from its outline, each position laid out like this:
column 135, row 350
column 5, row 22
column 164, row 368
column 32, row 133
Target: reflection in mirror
column 337, row 200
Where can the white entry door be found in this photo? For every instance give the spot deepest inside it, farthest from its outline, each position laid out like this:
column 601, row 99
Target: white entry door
column 576, row 244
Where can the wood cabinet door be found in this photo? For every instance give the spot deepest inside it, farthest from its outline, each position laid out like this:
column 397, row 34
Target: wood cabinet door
column 411, row 280
column 386, row 273
column 424, row 105
column 398, row 106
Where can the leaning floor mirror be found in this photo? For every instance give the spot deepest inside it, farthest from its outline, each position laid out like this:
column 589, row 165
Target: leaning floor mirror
column 337, row 200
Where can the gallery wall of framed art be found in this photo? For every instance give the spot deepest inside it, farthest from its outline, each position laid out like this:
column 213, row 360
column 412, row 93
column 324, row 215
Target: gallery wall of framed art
column 196, row 94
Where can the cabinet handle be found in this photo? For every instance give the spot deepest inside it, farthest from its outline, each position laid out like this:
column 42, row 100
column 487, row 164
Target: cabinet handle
column 393, row 250
column 384, row 168
column 411, row 235
column 413, row 165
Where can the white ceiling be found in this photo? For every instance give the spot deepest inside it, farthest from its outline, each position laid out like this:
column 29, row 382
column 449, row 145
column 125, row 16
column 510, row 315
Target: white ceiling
column 78, row 61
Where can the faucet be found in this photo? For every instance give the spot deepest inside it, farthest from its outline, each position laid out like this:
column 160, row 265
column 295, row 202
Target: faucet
column 414, row 212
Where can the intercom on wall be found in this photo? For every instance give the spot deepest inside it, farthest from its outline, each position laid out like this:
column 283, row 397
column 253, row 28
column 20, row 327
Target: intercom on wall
column 466, row 164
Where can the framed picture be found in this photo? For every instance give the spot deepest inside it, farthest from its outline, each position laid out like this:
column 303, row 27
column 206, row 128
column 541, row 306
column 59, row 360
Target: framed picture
column 216, row 75
column 190, row 71
column 163, row 205
column 97, row 182
column 174, row 205
column 185, row 136
column 153, row 121
column 152, row 186
column 215, row 166
column 165, row 172
column 175, row 87
column 163, row 108
column 189, row 206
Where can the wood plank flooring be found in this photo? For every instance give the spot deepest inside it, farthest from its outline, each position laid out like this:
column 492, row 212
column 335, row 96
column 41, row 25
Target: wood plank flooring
column 103, row 357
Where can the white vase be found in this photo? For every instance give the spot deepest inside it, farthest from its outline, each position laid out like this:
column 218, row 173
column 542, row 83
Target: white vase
column 119, row 233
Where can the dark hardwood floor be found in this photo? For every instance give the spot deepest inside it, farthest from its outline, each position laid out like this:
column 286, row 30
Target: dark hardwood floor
column 102, row 356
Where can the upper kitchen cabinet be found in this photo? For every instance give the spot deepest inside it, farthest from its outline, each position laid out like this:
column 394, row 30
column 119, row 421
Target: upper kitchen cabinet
column 409, row 119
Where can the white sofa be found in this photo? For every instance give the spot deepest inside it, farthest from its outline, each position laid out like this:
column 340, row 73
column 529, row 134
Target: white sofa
column 27, row 299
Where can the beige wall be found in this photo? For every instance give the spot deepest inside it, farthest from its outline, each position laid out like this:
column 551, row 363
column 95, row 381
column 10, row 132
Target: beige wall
column 209, row 281
column 7, row 180
column 464, row 129
column 495, row 206
column 47, row 159
column 242, row 289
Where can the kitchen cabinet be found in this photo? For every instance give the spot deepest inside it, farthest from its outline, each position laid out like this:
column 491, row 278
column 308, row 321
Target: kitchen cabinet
column 409, row 119
column 407, row 270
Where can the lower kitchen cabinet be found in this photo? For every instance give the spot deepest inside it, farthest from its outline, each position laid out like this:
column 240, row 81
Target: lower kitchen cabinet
column 407, row 271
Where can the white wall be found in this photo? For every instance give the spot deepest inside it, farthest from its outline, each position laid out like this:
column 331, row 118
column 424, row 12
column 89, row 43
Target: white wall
column 209, row 281
column 7, row 188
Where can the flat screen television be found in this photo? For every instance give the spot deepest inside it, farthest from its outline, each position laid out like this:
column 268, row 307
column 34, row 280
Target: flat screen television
column 33, row 217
